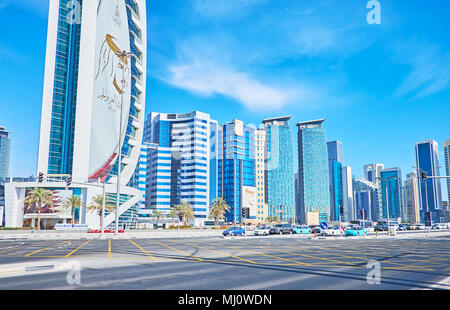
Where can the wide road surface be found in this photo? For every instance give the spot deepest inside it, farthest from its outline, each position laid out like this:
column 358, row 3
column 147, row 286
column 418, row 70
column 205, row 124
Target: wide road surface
column 211, row 263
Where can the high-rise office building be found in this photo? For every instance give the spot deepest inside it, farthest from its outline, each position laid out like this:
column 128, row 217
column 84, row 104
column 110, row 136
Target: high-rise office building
column 336, row 187
column 430, row 195
column 447, row 165
column 89, row 88
column 411, row 193
column 365, row 195
column 92, row 107
column 372, row 173
column 262, row 209
column 236, row 170
column 392, row 193
column 5, row 149
column 279, row 165
column 313, row 171
column 347, row 192
column 182, row 164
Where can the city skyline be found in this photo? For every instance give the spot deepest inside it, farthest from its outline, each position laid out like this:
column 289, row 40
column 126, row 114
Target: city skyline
column 394, row 105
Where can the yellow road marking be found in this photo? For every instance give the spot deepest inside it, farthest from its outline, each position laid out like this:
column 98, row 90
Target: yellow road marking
column 68, row 255
column 357, row 257
column 179, row 251
column 109, row 248
column 276, row 257
column 237, row 257
column 41, row 250
column 139, row 247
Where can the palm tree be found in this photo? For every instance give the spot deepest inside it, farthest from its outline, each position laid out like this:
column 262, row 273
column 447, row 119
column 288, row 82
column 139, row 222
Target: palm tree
column 97, row 205
column 186, row 212
column 72, row 202
column 173, row 214
column 39, row 198
column 158, row 215
column 218, row 209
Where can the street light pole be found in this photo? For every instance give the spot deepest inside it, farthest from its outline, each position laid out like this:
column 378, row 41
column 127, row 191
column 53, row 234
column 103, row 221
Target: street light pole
column 103, row 210
column 122, row 55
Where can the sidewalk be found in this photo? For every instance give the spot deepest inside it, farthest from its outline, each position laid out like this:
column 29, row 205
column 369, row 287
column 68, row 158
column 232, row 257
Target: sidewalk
column 55, row 235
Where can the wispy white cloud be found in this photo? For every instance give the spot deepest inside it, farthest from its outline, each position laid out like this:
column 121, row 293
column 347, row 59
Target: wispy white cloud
column 430, row 69
column 209, row 79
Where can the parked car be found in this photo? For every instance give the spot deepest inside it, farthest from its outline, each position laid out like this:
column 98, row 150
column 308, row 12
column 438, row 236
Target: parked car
column 355, row 231
column 302, row 230
column 381, row 227
column 333, row 231
column 439, row 226
column 410, row 227
column 421, row 227
column 234, row 231
column 281, row 229
column 262, row 231
column 317, row 230
column 402, row 227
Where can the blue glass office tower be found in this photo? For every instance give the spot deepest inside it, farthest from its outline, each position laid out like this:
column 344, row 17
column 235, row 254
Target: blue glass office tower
column 182, row 163
column 391, row 185
column 313, row 170
column 236, row 169
column 5, row 149
column 279, row 165
column 430, row 195
column 336, row 186
column 366, row 198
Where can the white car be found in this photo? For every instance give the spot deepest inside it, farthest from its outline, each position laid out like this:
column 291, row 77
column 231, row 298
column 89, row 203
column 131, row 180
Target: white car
column 439, row 226
column 333, row 231
column 420, row 227
column 369, row 229
column 262, row 231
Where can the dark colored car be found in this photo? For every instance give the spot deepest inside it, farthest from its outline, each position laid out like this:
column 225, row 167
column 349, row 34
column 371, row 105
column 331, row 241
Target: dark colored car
column 281, row 229
column 381, row 227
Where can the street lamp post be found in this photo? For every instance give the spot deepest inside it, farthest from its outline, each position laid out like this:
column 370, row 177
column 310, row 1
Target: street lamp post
column 122, row 55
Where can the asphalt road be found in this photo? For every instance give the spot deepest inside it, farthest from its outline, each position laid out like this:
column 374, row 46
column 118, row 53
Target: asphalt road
column 276, row 262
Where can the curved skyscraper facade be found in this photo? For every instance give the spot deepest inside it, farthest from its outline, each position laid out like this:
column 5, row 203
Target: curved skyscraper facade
column 91, row 87
column 279, row 165
column 313, row 171
column 93, row 109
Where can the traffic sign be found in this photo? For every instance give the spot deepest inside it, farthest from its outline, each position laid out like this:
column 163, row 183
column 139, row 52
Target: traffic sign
column 323, row 225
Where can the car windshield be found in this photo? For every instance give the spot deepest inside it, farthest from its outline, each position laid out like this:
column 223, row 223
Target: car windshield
column 279, row 225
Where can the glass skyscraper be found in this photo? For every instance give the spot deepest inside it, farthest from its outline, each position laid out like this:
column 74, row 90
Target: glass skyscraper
column 313, row 170
column 365, row 198
column 430, row 195
column 279, row 165
column 182, row 164
column 5, row 149
column 447, row 165
column 391, row 185
column 336, row 186
column 236, row 169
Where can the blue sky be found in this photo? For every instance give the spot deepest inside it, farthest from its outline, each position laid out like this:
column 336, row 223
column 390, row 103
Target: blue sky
column 381, row 87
